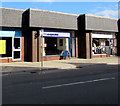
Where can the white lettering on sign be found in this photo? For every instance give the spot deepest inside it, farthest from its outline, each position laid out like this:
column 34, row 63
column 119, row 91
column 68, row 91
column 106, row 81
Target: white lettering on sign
column 56, row 34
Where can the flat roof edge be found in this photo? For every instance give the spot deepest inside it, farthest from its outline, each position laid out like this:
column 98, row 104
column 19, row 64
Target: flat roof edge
column 13, row 9
column 53, row 12
column 100, row 16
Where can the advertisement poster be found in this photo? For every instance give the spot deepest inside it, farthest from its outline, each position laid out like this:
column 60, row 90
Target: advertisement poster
column 2, row 46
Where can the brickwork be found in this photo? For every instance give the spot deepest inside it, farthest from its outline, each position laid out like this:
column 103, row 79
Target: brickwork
column 99, row 56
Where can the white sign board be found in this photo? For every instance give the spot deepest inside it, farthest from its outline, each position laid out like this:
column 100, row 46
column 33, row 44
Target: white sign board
column 56, row 34
column 102, row 36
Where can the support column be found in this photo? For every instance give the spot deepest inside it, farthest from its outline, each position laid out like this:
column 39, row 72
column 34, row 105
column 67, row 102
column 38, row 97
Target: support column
column 76, row 47
column 118, row 39
column 84, row 45
column 34, row 46
column 88, row 45
column 39, row 49
column 66, row 44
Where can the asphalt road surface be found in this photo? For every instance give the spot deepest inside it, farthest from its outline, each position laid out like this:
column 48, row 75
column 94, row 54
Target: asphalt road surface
column 94, row 84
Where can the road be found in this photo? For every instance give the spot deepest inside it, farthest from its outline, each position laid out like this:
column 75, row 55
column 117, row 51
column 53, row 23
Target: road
column 94, row 84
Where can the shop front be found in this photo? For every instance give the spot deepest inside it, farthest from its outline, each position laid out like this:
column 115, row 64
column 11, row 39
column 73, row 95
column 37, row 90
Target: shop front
column 11, row 46
column 56, row 42
column 104, row 45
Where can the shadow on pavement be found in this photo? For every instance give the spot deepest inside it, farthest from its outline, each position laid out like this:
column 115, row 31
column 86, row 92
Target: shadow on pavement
column 81, row 67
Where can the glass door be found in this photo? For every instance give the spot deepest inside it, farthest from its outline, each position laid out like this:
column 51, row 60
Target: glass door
column 16, row 52
column 72, row 46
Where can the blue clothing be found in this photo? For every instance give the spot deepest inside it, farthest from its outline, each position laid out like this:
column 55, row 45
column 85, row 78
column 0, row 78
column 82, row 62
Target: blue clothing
column 65, row 54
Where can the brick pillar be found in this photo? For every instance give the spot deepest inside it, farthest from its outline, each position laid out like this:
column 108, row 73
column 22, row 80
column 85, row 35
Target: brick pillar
column 22, row 51
column 34, row 46
column 39, row 49
column 84, row 45
column 91, row 45
column 118, row 39
column 88, row 45
column 76, row 47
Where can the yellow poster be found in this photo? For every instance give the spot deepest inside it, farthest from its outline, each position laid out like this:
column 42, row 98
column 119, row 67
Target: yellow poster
column 2, row 46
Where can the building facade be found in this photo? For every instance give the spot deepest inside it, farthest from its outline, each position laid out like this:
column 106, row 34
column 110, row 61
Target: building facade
column 99, row 35
column 11, row 37
column 35, row 35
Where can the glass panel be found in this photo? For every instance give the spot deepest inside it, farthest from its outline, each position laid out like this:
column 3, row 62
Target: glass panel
column 103, row 46
column 16, row 43
column 61, row 42
column 16, row 54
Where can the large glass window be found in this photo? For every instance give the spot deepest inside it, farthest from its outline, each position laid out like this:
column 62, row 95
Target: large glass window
column 61, row 42
column 17, row 43
column 103, row 46
column 6, row 46
column 52, row 46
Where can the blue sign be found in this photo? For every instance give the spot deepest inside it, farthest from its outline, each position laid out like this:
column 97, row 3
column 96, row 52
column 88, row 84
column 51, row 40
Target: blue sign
column 56, row 34
column 10, row 33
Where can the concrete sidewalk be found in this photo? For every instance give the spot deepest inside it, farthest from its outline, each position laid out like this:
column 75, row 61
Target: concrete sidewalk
column 57, row 64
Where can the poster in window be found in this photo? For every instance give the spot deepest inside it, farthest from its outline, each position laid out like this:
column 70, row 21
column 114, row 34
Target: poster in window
column 2, row 46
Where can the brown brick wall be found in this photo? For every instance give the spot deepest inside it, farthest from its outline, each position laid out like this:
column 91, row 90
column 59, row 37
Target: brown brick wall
column 22, row 51
column 51, row 58
column 99, row 56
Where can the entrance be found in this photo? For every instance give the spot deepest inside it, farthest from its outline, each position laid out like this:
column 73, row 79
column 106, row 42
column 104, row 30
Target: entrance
column 55, row 43
column 72, row 46
column 51, row 46
column 16, row 52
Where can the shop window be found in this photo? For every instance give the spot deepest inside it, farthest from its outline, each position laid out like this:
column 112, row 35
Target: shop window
column 61, row 42
column 103, row 46
column 53, row 46
column 16, row 43
column 7, row 47
column 106, row 43
column 16, row 54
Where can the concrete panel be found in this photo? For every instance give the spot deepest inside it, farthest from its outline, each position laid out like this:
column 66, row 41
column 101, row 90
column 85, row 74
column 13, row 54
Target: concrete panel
column 48, row 19
column 11, row 17
column 100, row 23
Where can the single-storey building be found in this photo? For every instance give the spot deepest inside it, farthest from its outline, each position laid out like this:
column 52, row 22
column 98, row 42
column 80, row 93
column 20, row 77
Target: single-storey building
column 97, row 36
column 34, row 34
column 11, row 35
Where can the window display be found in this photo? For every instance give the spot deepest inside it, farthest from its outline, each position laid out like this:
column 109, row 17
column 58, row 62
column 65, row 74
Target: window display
column 103, row 46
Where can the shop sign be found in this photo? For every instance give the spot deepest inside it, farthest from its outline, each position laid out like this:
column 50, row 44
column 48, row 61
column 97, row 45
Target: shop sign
column 56, row 34
column 10, row 33
column 2, row 46
column 102, row 36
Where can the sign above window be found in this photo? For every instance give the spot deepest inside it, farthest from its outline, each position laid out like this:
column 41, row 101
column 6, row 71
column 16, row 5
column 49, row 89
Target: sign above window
column 102, row 36
column 10, row 33
column 56, row 34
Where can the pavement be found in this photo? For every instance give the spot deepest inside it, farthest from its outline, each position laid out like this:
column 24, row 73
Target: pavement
column 16, row 67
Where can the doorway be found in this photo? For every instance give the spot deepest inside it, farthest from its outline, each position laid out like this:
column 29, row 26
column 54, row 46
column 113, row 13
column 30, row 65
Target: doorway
column 51, row 46
column 16, row 52
column 72, row 46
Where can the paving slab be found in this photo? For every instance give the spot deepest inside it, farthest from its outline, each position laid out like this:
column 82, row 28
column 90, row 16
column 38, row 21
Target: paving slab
column 56, row 64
